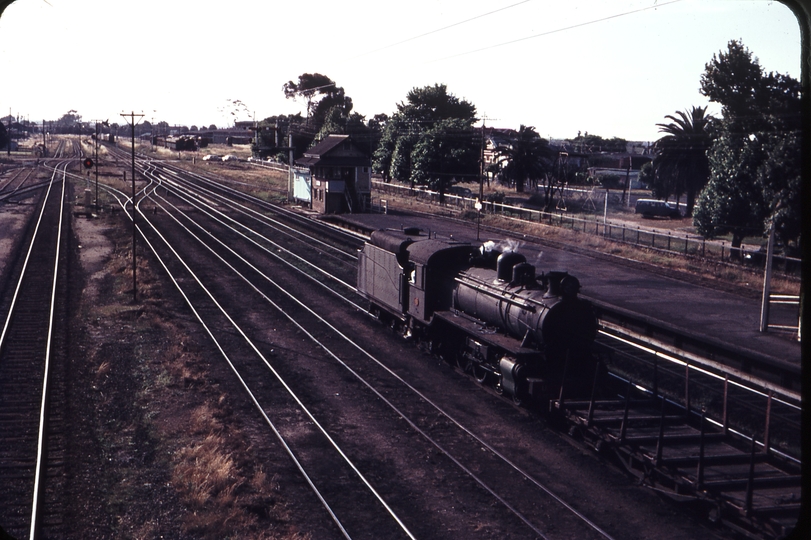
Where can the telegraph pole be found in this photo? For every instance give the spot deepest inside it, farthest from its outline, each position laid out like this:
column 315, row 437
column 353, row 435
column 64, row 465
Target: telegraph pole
column 130, row 117
column 97, row 166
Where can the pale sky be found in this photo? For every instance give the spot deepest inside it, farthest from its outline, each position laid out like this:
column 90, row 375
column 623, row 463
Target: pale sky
column 612, row 68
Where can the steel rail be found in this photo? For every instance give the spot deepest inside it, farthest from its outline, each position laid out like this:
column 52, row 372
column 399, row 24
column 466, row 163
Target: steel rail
column 427, row 400
column 4, row 335
column 335, row 253
column 693, row 358
column 211, row 211
column 255, row 200
column 123, row 203
column 278, row 376
column 258, row 216
column 693, row 362
column 45, row 382
column 318, row 342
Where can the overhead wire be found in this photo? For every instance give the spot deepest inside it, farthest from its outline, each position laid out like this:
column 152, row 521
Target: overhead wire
column 556, row 31
column 441, row 29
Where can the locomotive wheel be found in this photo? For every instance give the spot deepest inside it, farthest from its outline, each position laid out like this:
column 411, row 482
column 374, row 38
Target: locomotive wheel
column 464, row 364
column 517, row 399
column 479, row 373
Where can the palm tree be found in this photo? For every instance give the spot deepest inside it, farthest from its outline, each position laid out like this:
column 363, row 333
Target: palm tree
column 527, row 157
column 681, row 165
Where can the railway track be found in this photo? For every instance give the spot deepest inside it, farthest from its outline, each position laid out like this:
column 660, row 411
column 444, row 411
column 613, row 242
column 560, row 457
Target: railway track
column 722, row 494
column 321, row 462
column 419, row 412
column 32, row 432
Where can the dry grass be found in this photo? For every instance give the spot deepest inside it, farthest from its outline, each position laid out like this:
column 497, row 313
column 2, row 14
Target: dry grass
column 723, row 274
column 176, row 407
column 205, row 473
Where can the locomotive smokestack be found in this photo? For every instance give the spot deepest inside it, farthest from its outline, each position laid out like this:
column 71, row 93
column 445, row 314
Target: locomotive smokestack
column 523, row 274
column 562, row 284
column 553, row 280
column 506, row 262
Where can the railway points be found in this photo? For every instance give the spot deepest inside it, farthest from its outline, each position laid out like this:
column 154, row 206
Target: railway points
column 642, row 447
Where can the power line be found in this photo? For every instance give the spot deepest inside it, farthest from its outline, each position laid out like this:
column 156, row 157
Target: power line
column 556, row 31
column 443, row 28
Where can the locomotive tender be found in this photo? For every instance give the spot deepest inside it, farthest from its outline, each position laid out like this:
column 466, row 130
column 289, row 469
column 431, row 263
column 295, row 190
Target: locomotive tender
column 485, row 310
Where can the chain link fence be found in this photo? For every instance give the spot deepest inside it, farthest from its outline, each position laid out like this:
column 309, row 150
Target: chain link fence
column 666, row 241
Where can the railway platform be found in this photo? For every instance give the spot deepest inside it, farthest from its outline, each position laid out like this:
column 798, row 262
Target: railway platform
column 720, row 320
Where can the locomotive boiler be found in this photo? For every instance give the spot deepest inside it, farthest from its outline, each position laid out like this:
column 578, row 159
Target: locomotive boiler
column 487, row 311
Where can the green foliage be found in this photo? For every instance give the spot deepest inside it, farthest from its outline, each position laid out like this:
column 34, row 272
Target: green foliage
column 70, row 122
column 384, row 151
column 264, row 144
column 595, row 144
column 401, row 157
column 429, row 140
column 336, row 121
column 315, row 85
column 646, row 176
column 430, row 104
column 731, row 202
column 755, row 156
column 528, row 157
column 444, row 154
column 681, row 164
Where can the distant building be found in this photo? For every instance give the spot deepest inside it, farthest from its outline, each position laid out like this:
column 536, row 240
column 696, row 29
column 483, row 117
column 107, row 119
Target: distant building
column 227, row 136
column 622, row 165
column 341, row 176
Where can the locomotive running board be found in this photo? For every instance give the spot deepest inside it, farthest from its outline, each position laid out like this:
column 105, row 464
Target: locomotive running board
column 486, row 334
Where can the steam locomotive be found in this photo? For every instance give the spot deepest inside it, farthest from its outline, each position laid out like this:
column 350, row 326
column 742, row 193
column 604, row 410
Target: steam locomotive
column 486, row 310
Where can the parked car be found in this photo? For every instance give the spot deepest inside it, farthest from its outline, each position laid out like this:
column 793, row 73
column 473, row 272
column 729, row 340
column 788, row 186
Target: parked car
column 460, row 191
column 654, row 208
column 212, row 157
column 230, row 157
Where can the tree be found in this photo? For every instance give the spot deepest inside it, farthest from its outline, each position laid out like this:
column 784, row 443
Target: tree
column 429, row 115
column 681, row 164
column 593, row 144
column 527, row 157
column 312, row 85
column 731, row 202
column 235, row 108
column 444, row 154
column 430, row 104
column 646, row 176
column 394, row 130
column 336, row 121
column 70, row 122
column 755, row 158
column 4, row 140
column 401, row 165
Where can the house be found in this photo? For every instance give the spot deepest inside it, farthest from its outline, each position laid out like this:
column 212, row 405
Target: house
column 495, row 138
column 341, row 176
